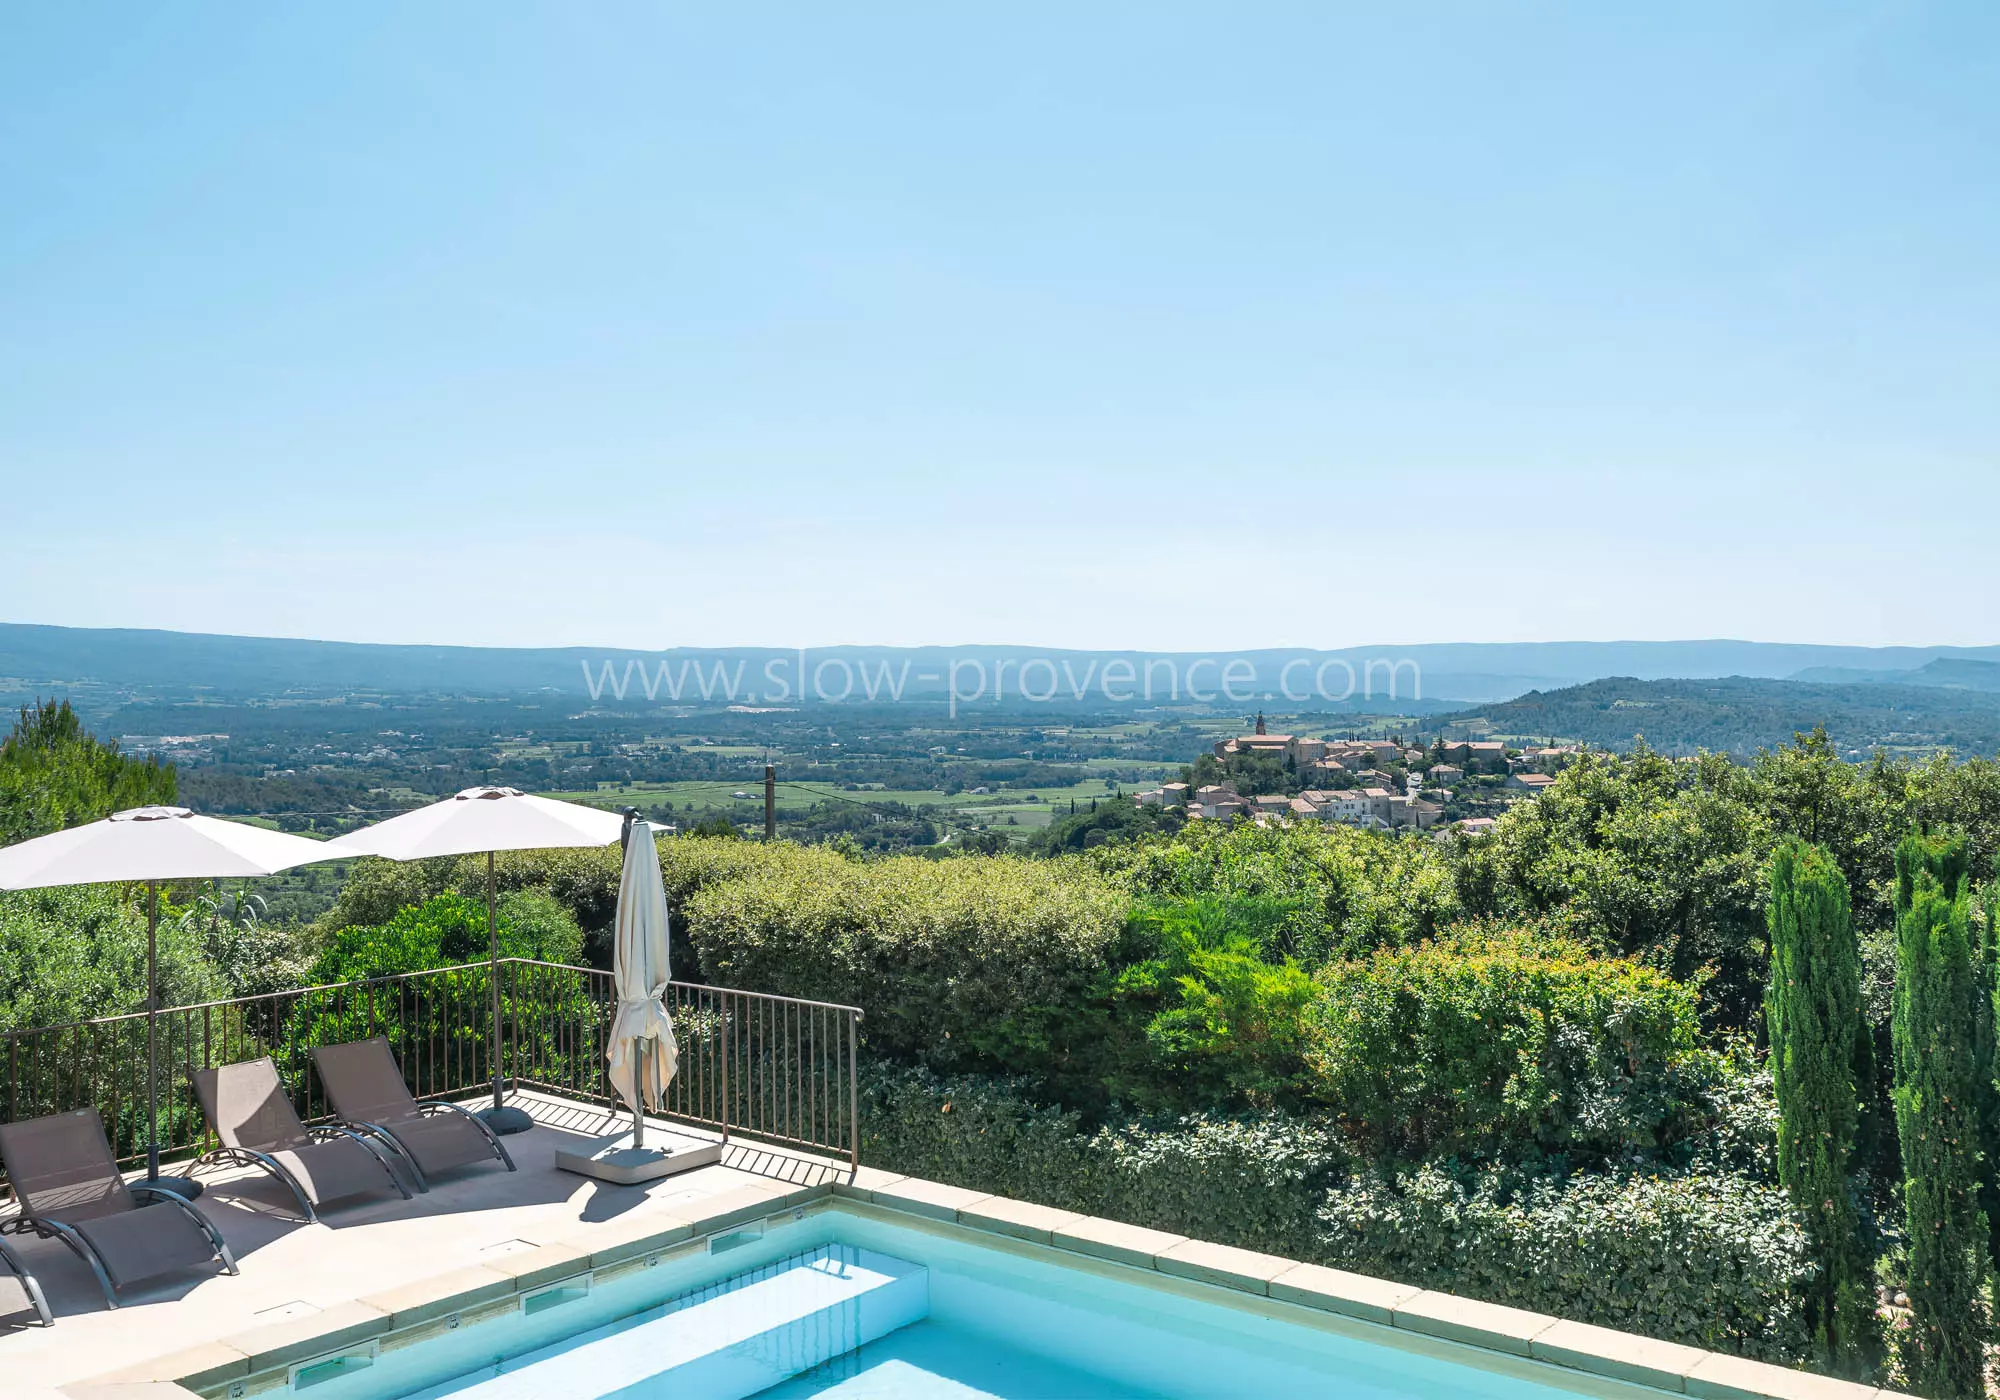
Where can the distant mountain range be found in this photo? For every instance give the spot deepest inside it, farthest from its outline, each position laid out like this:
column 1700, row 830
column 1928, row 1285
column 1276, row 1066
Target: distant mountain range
column 41, row 660
column 1948, row 672
column 1740, row 714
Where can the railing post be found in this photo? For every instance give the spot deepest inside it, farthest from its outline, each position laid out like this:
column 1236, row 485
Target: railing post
column 853, row 1097
column 723, row 1111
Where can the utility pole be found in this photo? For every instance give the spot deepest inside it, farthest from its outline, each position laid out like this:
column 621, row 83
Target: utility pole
column 770, row 802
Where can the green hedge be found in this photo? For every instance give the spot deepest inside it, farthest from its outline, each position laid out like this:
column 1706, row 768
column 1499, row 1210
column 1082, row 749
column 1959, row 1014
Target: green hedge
column 447, row 930
column 942, row 955
column 1485, row 1043
column 1349, row 890
column 584, row 882
column 1710, row 1261
column 1706, row 1260
column 1255, row 1183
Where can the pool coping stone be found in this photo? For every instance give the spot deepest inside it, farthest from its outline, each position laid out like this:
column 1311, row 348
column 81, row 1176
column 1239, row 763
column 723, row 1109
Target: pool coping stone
column 1580, row 1347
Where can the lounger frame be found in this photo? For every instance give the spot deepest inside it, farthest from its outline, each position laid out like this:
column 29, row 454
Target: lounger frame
column 29, row 1284
column 271, row 1166
column 429, row 1108
column 47, row 1228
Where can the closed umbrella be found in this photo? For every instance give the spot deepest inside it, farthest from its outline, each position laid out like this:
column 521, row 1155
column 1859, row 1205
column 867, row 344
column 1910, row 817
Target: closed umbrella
column 489, row 819
column 643, row 1054
column 154, row 844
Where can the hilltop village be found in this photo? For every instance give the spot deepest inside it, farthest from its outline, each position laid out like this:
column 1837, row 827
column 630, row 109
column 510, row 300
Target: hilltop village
column 1383, row 783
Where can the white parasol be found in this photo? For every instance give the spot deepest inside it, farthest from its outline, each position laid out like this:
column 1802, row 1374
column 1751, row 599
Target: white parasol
column 154, row 844
column 488, row 819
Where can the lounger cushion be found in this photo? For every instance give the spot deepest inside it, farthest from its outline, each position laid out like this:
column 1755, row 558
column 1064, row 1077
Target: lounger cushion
column 139, row 1244
column 247, row 1106
column 365, row 1086
column 61, row 1167
column 441, row 1141
column 334, row 1168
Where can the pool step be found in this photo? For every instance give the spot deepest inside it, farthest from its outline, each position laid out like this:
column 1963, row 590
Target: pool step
column 731, row 1339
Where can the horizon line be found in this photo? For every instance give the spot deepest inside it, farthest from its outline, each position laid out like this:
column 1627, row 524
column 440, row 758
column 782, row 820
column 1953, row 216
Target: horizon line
column 788, row 648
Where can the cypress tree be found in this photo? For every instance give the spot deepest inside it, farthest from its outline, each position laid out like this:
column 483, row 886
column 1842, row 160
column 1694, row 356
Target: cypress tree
column 1812, row 1007
column 1986, row 1060
column 1937, row 1105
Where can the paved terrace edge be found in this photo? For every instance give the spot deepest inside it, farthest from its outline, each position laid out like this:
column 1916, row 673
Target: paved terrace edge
column 614, row 1248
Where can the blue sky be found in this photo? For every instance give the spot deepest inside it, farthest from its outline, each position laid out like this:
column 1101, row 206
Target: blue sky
column 1139, row 325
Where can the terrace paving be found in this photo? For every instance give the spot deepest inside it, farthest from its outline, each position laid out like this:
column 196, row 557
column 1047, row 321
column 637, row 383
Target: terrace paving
column 483, row 1235
column 377, row 1263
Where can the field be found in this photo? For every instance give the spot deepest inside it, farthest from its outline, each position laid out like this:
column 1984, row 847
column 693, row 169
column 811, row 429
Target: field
column 1014, row 810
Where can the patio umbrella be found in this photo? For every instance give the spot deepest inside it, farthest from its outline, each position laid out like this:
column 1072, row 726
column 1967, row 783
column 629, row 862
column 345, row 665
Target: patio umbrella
column 643, row 1054
column 154, row 844
column 488, row 819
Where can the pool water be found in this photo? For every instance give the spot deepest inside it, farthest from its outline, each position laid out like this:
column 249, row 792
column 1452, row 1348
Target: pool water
column 940, row 1362
column 854, row 1304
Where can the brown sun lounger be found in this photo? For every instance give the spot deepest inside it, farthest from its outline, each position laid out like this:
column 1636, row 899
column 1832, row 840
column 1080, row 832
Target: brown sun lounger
column 28, row 1284
column 69, row 1187
column 369, row 1096
column 253, row 1116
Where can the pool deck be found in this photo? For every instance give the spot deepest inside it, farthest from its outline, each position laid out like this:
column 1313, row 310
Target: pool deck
column 388, row 1267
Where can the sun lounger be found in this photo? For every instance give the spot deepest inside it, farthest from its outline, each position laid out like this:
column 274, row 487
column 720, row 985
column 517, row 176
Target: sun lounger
column 68, row 1186
column 369, row 1096
column 250, row 1111
column 28, row 1284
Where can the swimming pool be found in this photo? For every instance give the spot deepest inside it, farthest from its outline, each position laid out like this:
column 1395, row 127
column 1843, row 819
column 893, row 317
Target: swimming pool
column 851, row 1303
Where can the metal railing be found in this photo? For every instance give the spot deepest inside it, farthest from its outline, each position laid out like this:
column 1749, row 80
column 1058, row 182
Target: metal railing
column 775, row 1069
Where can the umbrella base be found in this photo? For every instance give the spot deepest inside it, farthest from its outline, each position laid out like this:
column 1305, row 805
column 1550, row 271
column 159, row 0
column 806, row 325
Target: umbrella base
column 186, row 1187
column 507, row 1120
column 616, row 1160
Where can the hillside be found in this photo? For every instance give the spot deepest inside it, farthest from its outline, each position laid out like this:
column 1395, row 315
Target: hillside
column 1948, row 672
column 1740, row 715
column 98, row 668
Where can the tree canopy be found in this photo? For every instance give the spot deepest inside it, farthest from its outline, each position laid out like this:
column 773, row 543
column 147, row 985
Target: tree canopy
column 54, row 774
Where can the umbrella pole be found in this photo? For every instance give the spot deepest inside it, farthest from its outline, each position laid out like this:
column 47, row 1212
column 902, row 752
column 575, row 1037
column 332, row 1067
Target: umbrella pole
column 152, row 1033
column 493, row 974
column 639, row 1083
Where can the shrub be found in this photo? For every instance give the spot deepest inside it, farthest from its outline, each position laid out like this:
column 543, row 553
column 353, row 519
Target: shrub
column 67, row 955
column 447, row 930
column 443, row 1026
column 1488, row 1042
column 1254, row 1183
column 985, row 1134
column 375, row 891
column 71, row 954
column 1348, row 891
column 942, row 955
column 1643, row 856
column 1709, row 1261
column 1189, row 1012
column 583, row 881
